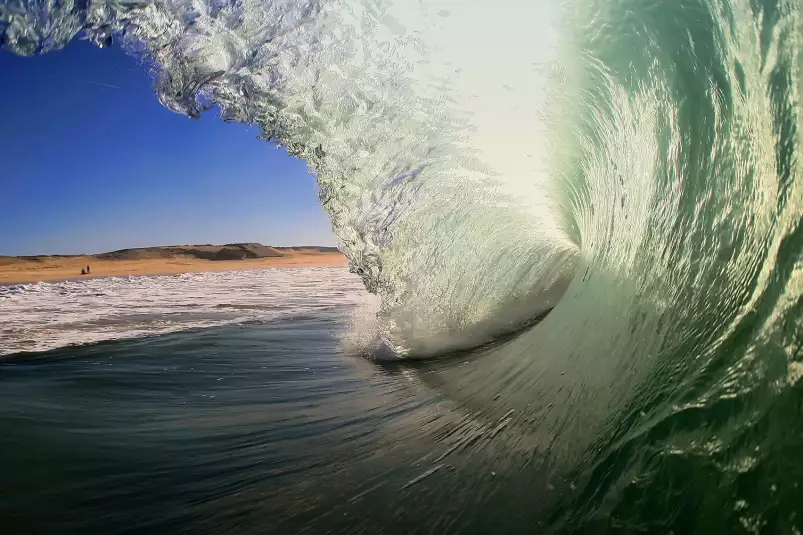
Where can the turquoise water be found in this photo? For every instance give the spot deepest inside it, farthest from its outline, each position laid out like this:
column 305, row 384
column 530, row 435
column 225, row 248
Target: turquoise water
column 630, row 169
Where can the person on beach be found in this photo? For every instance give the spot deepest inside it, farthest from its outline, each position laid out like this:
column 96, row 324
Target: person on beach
column 87, row 269
column 83, row 271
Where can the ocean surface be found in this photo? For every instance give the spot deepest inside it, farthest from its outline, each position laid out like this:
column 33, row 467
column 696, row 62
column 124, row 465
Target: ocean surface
column 580, row 221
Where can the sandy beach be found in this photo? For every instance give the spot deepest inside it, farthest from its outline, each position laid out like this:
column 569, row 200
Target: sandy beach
column 48, row 268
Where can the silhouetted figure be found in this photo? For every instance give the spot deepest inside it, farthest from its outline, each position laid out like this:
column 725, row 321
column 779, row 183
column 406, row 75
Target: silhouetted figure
column 83, row 271
column 87, row 269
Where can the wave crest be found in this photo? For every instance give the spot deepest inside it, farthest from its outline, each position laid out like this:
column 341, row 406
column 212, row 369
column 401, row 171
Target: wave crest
column 470, row 180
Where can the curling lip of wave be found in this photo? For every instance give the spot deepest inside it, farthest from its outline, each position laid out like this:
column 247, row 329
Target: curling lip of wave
column 452, row 228
column 643, row 156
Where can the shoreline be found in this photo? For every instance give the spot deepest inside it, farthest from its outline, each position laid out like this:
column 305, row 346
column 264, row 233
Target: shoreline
column 62, row 269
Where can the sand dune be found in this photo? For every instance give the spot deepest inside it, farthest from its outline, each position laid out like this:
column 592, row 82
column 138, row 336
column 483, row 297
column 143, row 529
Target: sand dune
column 166, row 260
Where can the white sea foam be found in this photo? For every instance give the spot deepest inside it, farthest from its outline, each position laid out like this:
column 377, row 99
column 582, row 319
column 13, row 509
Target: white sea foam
column 43, row 316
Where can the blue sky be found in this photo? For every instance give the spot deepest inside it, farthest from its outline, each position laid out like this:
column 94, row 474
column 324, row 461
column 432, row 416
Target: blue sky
column 91, row 162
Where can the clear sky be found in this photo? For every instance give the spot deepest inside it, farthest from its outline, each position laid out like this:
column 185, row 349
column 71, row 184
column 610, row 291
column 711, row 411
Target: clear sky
column 91, row 162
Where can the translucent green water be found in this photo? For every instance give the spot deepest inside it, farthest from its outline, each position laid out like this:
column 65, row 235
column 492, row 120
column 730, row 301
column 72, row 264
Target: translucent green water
column 631, row 166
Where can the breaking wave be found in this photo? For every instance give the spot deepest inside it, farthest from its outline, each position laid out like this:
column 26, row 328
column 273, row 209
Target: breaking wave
column 630, row 166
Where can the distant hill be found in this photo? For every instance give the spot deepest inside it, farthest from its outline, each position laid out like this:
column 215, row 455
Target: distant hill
column 229, row 251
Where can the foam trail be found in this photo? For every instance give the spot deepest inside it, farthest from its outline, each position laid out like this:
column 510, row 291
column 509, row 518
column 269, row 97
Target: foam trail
column 46, row 316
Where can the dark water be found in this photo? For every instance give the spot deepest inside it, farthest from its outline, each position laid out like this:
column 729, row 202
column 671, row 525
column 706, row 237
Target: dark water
column 243, row 429
column 273, row 429
column 228, row 430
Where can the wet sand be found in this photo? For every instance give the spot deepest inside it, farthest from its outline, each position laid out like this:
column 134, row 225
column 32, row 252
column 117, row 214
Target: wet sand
column 60, row 268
